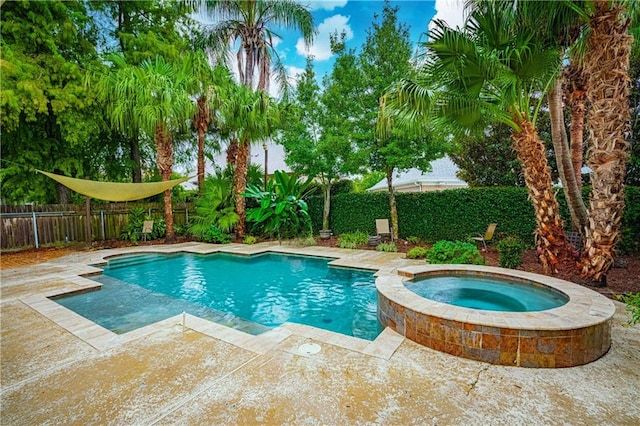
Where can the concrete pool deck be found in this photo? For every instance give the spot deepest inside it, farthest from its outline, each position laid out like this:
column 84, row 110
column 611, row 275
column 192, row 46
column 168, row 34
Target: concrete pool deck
column 58, row 368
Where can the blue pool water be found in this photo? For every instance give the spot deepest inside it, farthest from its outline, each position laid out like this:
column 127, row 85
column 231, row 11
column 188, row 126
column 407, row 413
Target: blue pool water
column 489, row 294
column 250, row 293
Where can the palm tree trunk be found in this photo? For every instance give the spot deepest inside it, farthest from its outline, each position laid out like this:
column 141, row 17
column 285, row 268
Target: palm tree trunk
column 608, row 121
column 202, row 124
column 570, row 188
column 326, row 210
column 164, row 148
column 575, row 94
column 393, row 207
column 551, row 240
column 134, row 145
column 240, row 185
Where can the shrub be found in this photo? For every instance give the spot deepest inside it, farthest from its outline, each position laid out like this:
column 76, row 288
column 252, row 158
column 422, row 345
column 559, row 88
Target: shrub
column 250, row 239
column 413, row 240
column 417, row 253
column 216, row 236
column 353, row 240
column 633, row 306
column 304, row 241
column 133, row 229
column 510, row 251
column 389, row 247
column 455, row 252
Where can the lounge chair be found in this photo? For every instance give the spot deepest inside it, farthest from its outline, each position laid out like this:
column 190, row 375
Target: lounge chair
column 488, row 235
column 147, row 228
column 383, row 229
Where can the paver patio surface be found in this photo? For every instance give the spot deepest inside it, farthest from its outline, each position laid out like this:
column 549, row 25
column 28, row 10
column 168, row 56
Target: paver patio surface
column 204, row 373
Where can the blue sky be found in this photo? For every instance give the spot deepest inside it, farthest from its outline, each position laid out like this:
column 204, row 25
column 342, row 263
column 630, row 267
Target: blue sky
column 355, row 17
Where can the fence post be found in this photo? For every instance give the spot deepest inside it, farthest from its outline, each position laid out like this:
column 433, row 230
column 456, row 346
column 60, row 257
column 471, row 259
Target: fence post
column 186, row 214
column 35, row 229
column 102, row 225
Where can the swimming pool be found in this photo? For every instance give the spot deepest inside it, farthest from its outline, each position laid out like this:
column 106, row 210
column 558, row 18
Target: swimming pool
column 251, row 293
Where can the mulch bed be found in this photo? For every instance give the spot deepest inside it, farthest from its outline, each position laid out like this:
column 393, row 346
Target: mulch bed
column 620, row 280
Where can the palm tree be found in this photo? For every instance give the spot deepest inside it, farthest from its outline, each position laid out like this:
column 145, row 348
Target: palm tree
column 491, row 71
column 249, row 25
column 246, row 116
column 155, row 98
column 608, row 122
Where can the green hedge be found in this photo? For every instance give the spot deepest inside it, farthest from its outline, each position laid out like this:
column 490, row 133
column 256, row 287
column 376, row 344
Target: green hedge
column 457, row 213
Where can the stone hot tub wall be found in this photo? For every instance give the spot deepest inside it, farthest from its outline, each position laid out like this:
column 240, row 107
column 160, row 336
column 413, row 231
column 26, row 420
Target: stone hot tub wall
column 576, row 333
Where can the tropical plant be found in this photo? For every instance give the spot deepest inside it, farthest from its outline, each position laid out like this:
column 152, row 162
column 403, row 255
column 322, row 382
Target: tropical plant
column 454, row 252
column 282, row 210
column 491, row 71
column 417, row 253
column 510, row 251
column 353, row 239
column 133, row 228
column 215, row 235
column 154, row 98
column 387, row 247
column 214, row 207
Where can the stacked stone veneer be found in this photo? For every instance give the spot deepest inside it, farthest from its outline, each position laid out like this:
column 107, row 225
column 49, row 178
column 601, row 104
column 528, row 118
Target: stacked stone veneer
column 531, row 339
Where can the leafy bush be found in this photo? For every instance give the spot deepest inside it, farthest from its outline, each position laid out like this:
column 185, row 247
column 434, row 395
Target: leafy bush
column 304, row 241
column 250, row 239
column 413, row 240
column 510, row 251
column 417, row 253
column 353, row 240
column 281, row 208
column 216, row 236
column 388, row 247
column 132, row 231
column 633, row 306
column 214, row 207
column 455, row 252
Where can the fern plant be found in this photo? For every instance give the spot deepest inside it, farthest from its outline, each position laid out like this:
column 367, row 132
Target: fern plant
column 132, row 230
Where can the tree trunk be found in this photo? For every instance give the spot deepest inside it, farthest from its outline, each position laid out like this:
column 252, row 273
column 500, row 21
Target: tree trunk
column 575, row 94
column 232, row 152
column 326, row 210
column 393, row 208
column 240, row 185
column 134, row 147
column 551, row 240
column 608, row 124
column 164, row 148
column 202, row 124
column 570, row 188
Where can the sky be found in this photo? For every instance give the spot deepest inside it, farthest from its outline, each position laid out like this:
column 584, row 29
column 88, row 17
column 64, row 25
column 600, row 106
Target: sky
column 355, row 17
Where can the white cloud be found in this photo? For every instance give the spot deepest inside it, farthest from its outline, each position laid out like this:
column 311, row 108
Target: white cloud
column 321, row 48
column 293, row 73
column 450, row 11
column 325, row 4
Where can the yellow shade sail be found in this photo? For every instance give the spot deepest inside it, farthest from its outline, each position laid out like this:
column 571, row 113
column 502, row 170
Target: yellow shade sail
column 114, row 191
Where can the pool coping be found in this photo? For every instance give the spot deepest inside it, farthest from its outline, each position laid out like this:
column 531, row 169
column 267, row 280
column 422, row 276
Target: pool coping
column 100, row 338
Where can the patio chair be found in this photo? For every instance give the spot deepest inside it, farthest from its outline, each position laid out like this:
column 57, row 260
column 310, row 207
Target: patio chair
column 488, row 235
column 383, row 229
column 147, row 228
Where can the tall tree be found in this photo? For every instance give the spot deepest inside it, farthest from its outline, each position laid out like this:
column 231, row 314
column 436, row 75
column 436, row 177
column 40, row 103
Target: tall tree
column 47, row 116
column 310, row 151
column 250, row 26
column 155, row 98
column 608, row 123
column 386, row 58
column 491, row 71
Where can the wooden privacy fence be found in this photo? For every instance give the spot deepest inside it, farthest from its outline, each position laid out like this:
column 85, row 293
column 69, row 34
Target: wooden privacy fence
column 33, row 226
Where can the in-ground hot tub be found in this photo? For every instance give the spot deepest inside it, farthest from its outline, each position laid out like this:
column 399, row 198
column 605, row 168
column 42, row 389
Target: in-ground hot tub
column 574, row 333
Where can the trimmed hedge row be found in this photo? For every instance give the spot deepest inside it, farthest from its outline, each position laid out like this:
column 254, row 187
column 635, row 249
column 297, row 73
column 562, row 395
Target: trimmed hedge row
column 457, row 213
